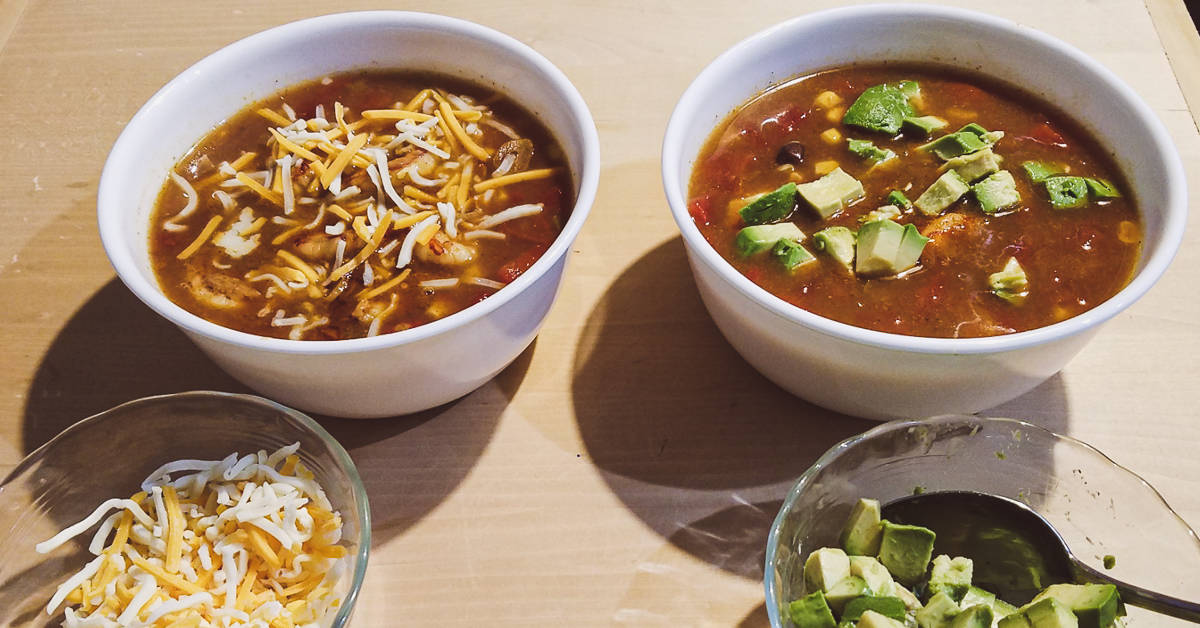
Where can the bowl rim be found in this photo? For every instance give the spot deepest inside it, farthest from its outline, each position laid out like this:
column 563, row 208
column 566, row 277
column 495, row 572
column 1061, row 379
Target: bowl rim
column 773, row 540
column 110, row 210
column 1174, row 210
column 362, row 506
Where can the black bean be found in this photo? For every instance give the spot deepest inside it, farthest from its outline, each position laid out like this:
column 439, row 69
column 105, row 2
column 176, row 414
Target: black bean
column 790, row 153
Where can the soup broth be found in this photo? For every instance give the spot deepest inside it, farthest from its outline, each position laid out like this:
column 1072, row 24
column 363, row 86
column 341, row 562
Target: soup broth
column 1072, row 253
column 358, row 205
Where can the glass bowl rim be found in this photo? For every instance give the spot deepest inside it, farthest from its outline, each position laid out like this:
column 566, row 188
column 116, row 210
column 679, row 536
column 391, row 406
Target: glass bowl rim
column 361, row 504
column 834, row 452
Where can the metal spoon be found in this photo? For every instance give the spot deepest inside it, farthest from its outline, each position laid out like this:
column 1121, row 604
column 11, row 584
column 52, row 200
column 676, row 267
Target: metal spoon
column 1016, row 551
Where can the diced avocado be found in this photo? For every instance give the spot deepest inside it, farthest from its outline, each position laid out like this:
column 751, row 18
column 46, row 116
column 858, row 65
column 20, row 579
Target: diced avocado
column 974, row 166
column 873, row 573
column 861, row 534
column 910, row 88
column 941, row 193
column 1000, row 608
column 991, row 137
column 881, row 108
column 825, row 568
column 831, row 193
column 887, row 248
column 1039, row 171
column 1049, row 613
column 938, row 612
column 1010, row 284
column 890, row 606
column 758, row 238
column 1016, row 620
column 924, row 124
column 951, row 576
column 905, row 549
column 1067, row 192
column 868, row 150
column 977, row 616
column 811, row 611
column 968, row 139
column 910, row 599
column 847, row 589
column 897, row 198
column 996, row 192
column 1102, row 188
column 871, row 619
column 770, row 207
column 975, row 595
column 791, row 254
column 883, row 212
column 1096, row 605
column 838, row 243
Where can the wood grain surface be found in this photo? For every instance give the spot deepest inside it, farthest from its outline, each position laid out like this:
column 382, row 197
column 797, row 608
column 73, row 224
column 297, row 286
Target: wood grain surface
column 624, row 470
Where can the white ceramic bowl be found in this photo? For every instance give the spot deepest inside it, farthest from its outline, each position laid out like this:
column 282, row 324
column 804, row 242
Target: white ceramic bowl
column 875, row 374
column 385, row 375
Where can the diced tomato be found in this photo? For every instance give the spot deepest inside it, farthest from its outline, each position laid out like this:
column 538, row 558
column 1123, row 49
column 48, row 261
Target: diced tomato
column 1045, row 134
column 699, row 209
column 510, row 271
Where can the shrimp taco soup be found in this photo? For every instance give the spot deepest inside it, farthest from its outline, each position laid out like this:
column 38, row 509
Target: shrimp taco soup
column 917, row 200
column 358, row 204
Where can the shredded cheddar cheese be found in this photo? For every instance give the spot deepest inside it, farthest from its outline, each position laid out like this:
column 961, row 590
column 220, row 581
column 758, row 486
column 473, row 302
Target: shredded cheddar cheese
column 246, row 541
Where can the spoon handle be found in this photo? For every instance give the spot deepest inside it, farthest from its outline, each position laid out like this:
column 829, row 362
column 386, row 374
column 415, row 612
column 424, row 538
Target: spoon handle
column 1142, row 598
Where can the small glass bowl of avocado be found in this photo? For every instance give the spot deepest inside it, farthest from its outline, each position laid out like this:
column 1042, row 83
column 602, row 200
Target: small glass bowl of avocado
column 1111, row 519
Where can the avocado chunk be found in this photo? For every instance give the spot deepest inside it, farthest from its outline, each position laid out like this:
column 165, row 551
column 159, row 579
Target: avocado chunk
column 1067, row 192
column 838, row 243
column 889, row 606
column 882, row 108
column 974, row 166
column 938, row 612
column 825, row 568
column 998, row 191
column 831, row 193
column 872, row 619
column 905, row 549
column 968, row 139
column 868, row 150
column 897, row 198
column 1010, row 284
column 1102, row 188
column 1016, row 620
column 758, row 238
column 910, row 599
column 1049, row 613
column 951, row 576
column 791, row 254
column 878, row 580
column 863, row 530
column 1000, row 608
column 978, row 616
column 887, row 248
column 1039, row 171
column 1096, row 605
column 811, row 611
column 941, row 193
column 847, row 589
column 924, row 125
column 770, row 207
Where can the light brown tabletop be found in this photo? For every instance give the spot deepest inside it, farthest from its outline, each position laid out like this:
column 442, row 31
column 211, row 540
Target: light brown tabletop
column 624, row 470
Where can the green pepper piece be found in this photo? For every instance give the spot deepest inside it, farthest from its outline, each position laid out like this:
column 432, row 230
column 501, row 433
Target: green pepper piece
column 897, row 198
column 1039, row 171
column 1102, row 188
column 1067, row 192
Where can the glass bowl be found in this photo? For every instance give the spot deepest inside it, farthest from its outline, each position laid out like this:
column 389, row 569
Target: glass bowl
column 109, row 454
column 1099, row 507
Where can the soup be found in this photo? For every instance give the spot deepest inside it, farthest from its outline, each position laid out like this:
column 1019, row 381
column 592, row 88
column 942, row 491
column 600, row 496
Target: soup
column 357, row 205
column 916, row 200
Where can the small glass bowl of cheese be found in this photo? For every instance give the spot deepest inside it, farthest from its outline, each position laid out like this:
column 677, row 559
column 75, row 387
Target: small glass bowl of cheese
column 208, row 531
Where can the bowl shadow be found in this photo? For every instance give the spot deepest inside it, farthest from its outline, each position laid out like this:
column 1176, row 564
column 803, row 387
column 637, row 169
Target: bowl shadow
column 114, row 349
column 680, row 427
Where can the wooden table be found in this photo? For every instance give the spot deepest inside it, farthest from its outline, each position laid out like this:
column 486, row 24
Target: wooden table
column 625, row 469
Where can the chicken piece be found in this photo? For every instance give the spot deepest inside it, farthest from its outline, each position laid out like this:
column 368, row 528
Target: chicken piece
column 219, row 290
column 368, row 309
column 317, row 246
column 443, row 251
column 951, row 236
